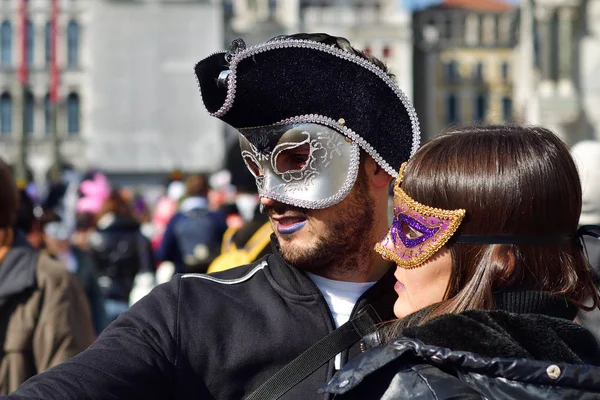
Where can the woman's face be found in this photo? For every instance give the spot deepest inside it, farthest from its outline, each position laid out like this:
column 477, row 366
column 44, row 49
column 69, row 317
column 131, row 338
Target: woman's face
column 416, row 242
column 425, row 285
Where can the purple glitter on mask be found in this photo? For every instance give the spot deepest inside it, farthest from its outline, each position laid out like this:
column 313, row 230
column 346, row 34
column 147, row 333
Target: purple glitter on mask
column 426, row 232
column 435, row 227
column 431, row 229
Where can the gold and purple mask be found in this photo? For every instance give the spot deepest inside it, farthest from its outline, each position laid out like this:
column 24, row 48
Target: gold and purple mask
column 418, row 231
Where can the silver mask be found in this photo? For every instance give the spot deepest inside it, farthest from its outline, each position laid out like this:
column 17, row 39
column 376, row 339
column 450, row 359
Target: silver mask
column 306, row 165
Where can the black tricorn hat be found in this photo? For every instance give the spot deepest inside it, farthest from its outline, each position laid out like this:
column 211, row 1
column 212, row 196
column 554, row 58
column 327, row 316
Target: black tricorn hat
column 302, row 81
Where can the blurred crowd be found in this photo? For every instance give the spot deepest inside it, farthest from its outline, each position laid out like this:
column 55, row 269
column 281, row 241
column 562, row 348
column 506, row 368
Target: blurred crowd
column 120, row 245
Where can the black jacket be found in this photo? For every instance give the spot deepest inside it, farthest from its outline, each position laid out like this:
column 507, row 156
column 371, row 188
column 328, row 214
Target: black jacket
column 540, row 354
column 208, row 337
column 120, row 251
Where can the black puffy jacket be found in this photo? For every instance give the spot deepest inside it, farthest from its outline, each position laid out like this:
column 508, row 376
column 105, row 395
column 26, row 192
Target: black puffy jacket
column 480, row 355
column 119, row 251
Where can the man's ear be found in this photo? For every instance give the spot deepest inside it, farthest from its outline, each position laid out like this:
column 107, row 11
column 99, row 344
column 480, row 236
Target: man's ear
column 376, row 175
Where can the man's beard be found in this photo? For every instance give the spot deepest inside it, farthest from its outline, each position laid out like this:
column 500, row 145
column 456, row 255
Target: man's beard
column 346, row 242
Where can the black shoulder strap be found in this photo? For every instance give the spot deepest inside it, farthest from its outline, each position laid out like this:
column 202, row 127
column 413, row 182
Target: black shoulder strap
column 317, row 355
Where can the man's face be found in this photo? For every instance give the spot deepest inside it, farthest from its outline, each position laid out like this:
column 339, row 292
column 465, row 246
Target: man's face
column 334, row 237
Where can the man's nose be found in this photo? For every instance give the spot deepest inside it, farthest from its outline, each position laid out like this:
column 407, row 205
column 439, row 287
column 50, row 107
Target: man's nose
column 267, row 202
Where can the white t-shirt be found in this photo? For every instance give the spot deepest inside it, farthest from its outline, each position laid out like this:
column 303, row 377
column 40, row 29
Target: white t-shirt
column 341, row 297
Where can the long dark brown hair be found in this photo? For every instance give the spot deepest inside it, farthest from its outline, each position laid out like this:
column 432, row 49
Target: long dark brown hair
column 511, row 180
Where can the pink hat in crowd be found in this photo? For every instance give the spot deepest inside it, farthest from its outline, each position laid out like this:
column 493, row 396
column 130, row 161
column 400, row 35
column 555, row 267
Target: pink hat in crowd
column 94, row 191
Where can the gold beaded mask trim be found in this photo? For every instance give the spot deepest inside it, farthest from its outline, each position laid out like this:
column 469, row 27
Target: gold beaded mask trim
column 418, row 231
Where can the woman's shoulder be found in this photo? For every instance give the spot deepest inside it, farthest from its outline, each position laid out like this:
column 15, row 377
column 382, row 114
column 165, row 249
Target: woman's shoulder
column 505, row 334
column 479, row 352
column 407, row 368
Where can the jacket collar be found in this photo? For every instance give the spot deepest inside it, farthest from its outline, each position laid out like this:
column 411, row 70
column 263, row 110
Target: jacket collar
column 18, row 269
column 535, row 302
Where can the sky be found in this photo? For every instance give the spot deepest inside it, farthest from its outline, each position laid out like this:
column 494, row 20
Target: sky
column 418, row 4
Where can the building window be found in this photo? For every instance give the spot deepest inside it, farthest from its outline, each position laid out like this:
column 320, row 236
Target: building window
column 73, row 44
column 48, row 42
column 228, row 8
column 5, row 43
column 47, row 115
column 481, row 28
column 480, row 108
column 5, row 114
column 447, row 27
column 30, row 43
column 507, row 108
column 29, row 113
column 498, row 38
column 73, row 114
column 505, row 70
column 478, row 72
column 451, row 71
column 452, row 110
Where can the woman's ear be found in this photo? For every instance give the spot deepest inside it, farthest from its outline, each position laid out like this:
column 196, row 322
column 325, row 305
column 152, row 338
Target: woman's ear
column 505, row 256
column 378, row 177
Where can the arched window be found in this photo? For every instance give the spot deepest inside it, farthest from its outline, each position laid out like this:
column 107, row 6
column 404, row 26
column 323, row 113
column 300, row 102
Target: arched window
column 30, row 43
column 48, row 42
column 29, row 113
column 452, row 109
column 47, row 115
column 72, row 44
column 73, row 114
column 5, row 114
column 5, row 43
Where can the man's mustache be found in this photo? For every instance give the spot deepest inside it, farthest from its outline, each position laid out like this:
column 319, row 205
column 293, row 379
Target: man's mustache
column 281, row 209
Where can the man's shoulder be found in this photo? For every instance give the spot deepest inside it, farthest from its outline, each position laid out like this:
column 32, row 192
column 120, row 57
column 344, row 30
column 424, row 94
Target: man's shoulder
column 205, row 298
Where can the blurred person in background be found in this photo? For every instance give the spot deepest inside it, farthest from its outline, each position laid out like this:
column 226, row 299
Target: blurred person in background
column 44, row 314
column 29, row 220
column 120, row 252
column 193, row 236
column 78, row 262
column 587, row 157
column 250, row 240
column 164, row 210
column 84, row 225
